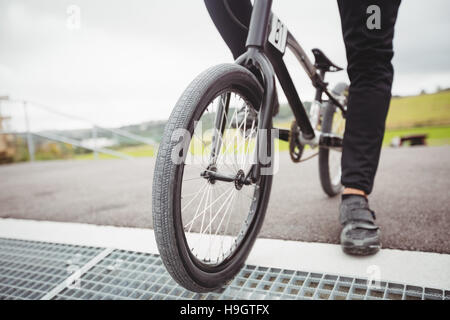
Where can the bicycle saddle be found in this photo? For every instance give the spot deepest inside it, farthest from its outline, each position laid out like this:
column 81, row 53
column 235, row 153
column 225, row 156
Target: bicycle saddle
column 323, row 63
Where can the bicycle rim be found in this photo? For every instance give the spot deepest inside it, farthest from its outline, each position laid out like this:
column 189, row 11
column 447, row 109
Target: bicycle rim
column 217, row 215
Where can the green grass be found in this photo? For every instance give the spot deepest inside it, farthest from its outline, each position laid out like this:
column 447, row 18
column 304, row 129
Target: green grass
column 137, row 152
column 437, row 136
column 426, row 110
column 425, row 114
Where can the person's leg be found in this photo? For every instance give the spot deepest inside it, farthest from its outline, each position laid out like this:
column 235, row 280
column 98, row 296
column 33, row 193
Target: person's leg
column 224, row 14
column 369, row 55
column 232, row 19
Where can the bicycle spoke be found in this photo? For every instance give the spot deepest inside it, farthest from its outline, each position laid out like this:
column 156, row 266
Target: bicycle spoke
column 201, row 213
column 229, row 205
column 199, row 205
column 216, row 210
column 225, row 233
column 204, row 210
column 226, row 202
column 193, row 199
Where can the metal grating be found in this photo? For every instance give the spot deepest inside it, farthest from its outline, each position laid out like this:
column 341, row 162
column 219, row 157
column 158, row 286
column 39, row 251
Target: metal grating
column 30, row 269
column 132, row 275
column 122, row 274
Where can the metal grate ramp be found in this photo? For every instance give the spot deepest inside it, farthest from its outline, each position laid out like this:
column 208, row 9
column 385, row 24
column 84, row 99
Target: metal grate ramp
column 29, row 269
column 38, row 270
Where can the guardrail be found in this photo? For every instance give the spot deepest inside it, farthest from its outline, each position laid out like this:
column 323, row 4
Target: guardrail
column 59, row 138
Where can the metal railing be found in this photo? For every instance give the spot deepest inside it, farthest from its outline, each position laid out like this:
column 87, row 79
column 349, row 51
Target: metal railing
column 30, row 134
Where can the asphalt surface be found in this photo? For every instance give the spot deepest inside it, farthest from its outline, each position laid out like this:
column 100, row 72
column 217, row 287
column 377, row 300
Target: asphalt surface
column 411, row 197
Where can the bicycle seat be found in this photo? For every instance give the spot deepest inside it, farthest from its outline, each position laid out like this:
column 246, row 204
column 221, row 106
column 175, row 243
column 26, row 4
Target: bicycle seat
column 323, row 63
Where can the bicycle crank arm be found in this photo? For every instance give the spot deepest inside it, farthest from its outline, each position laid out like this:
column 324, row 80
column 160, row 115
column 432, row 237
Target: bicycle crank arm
column 323, row 140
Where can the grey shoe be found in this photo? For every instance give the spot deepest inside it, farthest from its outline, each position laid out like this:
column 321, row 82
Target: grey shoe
column 359, row 236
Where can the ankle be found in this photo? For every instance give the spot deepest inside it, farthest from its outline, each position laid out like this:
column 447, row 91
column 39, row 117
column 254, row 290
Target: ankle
column 352, row 191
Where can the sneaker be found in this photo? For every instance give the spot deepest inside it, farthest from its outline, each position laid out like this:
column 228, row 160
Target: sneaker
column 360, row 236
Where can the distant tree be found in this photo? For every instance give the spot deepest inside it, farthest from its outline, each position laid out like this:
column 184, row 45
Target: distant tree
column 422, row 92
column 440, row 89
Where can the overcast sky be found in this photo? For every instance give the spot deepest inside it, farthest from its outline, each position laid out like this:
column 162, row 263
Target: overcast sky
column 130, row 60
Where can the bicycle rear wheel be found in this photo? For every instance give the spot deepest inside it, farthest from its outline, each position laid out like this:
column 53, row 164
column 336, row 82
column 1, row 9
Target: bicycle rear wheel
column 329, row 159
column 206, row 213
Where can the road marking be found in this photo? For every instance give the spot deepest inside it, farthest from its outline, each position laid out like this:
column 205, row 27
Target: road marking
column 410, row 267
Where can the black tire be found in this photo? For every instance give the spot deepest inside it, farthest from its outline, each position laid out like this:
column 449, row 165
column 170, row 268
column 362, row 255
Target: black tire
column 184, row 267
column 331, row 186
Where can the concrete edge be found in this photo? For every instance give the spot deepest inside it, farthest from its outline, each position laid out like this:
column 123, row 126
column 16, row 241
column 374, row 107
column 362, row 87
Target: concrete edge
column 408, row 267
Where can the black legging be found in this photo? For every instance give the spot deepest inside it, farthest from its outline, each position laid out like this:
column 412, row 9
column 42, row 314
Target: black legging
column 369, row 55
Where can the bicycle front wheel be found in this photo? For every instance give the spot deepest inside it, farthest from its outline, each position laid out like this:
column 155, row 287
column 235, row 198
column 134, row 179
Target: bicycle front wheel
column 206, row 211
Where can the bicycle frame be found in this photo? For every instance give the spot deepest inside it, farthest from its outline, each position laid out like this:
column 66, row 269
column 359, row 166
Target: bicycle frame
column 269, row 61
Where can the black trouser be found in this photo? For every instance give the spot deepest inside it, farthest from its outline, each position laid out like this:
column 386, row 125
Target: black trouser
column 369, row 55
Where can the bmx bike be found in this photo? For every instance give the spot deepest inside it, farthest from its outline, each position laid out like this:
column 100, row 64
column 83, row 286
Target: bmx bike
column 214, row 167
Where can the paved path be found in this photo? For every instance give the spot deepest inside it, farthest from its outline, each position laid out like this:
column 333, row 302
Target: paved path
column 411, row 197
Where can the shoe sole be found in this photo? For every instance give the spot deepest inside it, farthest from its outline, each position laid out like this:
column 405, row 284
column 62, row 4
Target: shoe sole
column 361, row 250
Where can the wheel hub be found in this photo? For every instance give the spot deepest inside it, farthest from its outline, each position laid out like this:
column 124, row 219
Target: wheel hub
column 239, row 180
column 212, row 169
